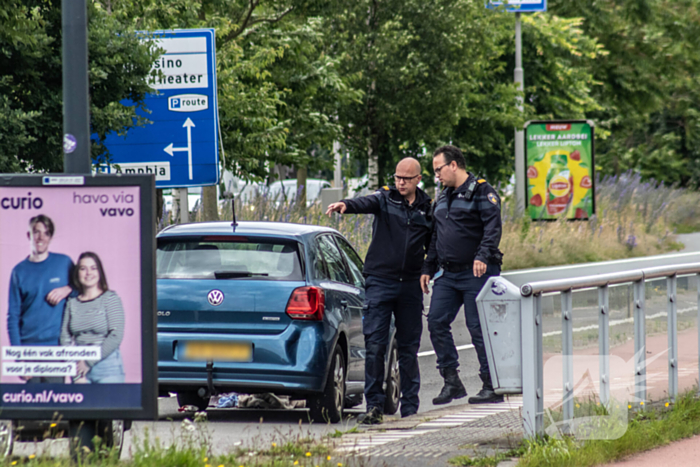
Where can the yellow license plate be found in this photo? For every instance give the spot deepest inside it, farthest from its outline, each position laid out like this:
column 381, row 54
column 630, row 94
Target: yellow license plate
column 219, row 351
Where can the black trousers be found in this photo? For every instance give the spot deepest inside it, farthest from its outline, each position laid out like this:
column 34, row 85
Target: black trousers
column 403, row 299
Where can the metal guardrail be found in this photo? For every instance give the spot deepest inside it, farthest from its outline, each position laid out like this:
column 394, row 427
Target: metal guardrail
column 531, row 335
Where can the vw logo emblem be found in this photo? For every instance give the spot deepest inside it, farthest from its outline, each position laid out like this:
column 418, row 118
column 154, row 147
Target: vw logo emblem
column 215, row 297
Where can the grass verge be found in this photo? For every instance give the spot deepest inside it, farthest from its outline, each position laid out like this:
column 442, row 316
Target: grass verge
column 633, row 218
column 192, row 446
column 646, row 430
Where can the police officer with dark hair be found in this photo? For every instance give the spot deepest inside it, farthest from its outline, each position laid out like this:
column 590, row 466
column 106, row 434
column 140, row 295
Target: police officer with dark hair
column 464, row 246
column 400, row 236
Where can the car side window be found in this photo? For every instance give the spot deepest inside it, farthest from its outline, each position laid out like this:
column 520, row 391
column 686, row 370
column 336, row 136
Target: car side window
column 353, row 260
column 320, row 269
column 334, row 260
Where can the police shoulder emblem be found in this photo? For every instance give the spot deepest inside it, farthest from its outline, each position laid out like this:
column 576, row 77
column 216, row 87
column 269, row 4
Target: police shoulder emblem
column 493, row 198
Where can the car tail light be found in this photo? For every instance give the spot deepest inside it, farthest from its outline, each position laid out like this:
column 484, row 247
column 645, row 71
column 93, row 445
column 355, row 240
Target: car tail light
column 307, row 303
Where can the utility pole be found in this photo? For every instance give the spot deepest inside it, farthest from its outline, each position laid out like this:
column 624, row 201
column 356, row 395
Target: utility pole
column 76, row 145
column 76, row 114
column 520, row 187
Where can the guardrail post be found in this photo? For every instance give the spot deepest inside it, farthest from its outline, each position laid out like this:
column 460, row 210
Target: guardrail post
column 640, row 372
column 567, row 352
column 531, row 341
column 604, row 343
column 672, row 331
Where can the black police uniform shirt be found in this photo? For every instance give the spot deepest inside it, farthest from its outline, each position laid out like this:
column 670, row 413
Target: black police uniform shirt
column 400, row 232
column 465, row 230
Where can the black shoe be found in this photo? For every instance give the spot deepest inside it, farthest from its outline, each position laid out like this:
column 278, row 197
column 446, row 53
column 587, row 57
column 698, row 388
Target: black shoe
column 408, row 414
column 453, row 388
column 487, row 394
column 372, row 417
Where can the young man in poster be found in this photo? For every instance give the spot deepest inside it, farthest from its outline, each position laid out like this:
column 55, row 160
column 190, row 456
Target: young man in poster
column 39, row 286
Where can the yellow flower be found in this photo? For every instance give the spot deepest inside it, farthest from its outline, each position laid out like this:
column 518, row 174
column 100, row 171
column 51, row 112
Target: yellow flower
column 328, row 458
column 308, row 454
column 577, row 406
column 666, row 404
column 340, row 464
column 53, row 425
column 274, row 445
column 296, row 462
column 205, row 459
column 641, row 403
column 32, row 456
column 207, row 465
column 629, row 406
column 14, row 463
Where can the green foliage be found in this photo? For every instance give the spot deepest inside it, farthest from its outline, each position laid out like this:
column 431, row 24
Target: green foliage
column 394, row 78
column 31, row 81
column 648, row 92
column 278, row 88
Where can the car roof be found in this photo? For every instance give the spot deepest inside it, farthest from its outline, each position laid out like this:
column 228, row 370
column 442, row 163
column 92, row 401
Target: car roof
column 271, row 229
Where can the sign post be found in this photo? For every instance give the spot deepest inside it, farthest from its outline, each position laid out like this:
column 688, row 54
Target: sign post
column 180, row 147
column 519, row 7
column 560, row 169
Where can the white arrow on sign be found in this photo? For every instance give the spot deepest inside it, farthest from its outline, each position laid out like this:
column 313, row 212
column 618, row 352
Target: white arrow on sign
column 170, row 149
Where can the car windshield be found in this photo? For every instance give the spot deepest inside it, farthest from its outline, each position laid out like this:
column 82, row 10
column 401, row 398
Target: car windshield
column 238, row 258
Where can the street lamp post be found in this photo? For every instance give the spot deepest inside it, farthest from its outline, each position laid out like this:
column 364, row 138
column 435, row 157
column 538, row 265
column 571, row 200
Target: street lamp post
column 519, row 133
column 76, row 142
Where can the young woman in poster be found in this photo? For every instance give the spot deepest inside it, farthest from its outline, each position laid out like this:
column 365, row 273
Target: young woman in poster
column 94, row 317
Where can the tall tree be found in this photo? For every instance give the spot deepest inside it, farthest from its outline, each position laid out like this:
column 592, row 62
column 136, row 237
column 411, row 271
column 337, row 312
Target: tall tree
column 31, row 102
column 650, row 90
column 442, row 72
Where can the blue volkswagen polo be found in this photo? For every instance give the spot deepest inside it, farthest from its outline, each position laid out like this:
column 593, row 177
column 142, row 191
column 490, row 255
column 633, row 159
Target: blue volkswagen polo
column 263, row 307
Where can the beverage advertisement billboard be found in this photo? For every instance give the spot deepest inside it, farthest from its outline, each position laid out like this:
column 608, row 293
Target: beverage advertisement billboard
column 77, row 297
column 560, row 170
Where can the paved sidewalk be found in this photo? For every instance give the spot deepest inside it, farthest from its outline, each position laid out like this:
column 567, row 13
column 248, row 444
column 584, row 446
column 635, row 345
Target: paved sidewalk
column 431, row 439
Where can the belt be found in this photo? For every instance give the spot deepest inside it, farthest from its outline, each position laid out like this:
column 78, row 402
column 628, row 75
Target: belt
column 455, row 267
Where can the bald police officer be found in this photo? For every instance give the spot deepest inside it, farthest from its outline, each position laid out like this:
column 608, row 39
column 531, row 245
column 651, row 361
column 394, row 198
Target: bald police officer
column 400, row 236
column 464, row 247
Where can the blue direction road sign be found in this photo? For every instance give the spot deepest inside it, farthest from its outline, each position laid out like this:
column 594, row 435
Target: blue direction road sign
column 522, row 6
column 181, row 145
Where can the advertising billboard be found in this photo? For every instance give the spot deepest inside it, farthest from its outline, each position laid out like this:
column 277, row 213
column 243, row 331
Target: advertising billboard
column 77, row 330
column 560, row 170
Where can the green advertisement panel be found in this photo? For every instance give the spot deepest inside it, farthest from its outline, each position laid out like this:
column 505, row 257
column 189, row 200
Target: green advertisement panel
column 560, row 171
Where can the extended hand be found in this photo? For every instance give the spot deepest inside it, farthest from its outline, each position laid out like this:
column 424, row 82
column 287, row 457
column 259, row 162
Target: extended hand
column 336, row 207
column 58, row 294
column 424, row 281
column 479, row 268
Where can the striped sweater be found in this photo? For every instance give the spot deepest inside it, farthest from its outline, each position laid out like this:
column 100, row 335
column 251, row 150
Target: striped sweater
column 95, row 322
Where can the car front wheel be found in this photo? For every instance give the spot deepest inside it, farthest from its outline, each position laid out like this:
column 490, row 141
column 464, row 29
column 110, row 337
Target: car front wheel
column 328, row 406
